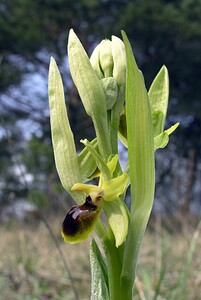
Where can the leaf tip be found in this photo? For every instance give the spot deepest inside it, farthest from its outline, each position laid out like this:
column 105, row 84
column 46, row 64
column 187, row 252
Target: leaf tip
column 72, row 36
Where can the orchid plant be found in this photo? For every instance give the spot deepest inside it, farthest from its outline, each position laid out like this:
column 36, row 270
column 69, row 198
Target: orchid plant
column 113, row 93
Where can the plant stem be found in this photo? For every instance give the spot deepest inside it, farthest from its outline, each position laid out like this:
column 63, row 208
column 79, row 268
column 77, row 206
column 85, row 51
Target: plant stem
column 114, row 267
column 132, row 246
column 114, row 125
column 102, row 138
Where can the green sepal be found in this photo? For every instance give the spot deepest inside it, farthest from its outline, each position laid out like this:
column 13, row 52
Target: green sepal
column 119, row 69
column 101, row 164
column 95, row 61
column 158, row 97
column 112, row 163
column 111, row 91
column 87, row 163
column 62, row 136
column 99, row 274
column 162, row 139
column 172, row 128
column 118, row 219
column 105, row 57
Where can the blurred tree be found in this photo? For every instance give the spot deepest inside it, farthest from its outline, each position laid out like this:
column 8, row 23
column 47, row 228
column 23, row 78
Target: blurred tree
column 163, row 32
column 168, row 32
column 11, row 184
column 44, row 186
column 32, row 31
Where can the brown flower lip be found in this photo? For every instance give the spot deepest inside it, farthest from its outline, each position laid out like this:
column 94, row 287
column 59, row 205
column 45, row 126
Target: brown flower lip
column 79, row 218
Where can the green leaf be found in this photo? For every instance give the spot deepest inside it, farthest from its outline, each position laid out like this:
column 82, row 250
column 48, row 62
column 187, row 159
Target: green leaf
column 140, row 136
column 141, row 163
column 88, row 85
column 119, row 73
column 158, row 96
column 62, row 136
column 90, row 90
column 99, row 274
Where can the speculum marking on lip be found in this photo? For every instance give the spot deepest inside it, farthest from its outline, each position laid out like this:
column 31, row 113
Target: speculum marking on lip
column 80, row 218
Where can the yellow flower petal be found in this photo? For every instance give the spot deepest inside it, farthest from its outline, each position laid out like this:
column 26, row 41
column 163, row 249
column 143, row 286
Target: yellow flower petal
column 87, row 188
column 115, row 187
column 112, row 164
column 118, row 219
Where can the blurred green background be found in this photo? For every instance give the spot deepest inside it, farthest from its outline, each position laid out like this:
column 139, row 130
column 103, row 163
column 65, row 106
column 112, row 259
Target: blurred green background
column 161, row 32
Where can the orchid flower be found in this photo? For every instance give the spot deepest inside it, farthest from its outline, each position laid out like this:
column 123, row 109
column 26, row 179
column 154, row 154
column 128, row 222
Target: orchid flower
column 81, row 219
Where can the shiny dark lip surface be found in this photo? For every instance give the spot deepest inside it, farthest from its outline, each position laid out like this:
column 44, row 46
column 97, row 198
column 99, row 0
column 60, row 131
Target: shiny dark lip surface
column 78, row 216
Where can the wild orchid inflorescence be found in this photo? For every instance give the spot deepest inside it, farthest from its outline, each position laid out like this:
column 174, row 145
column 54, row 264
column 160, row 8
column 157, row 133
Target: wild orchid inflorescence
column 113, row 93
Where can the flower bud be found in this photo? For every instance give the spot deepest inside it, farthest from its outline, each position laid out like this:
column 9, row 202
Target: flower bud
column 94, row 60
column 109, row 61
column 111, row 91
column 119, row 60
column 106, row 59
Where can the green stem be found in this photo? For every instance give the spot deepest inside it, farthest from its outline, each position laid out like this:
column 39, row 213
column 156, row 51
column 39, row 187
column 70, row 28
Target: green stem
column 132, row 246
column 103, row 137
column 114, row 124
column 119, row 288
column 114, row 267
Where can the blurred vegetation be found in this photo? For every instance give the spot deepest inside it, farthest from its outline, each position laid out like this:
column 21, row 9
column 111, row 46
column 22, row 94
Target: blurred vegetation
column 162, row 32
column 32, row 268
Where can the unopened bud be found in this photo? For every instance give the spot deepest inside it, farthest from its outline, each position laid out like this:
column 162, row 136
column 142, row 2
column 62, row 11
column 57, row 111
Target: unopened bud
column 111, row 91
column 109, row 62
column 106, row 59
